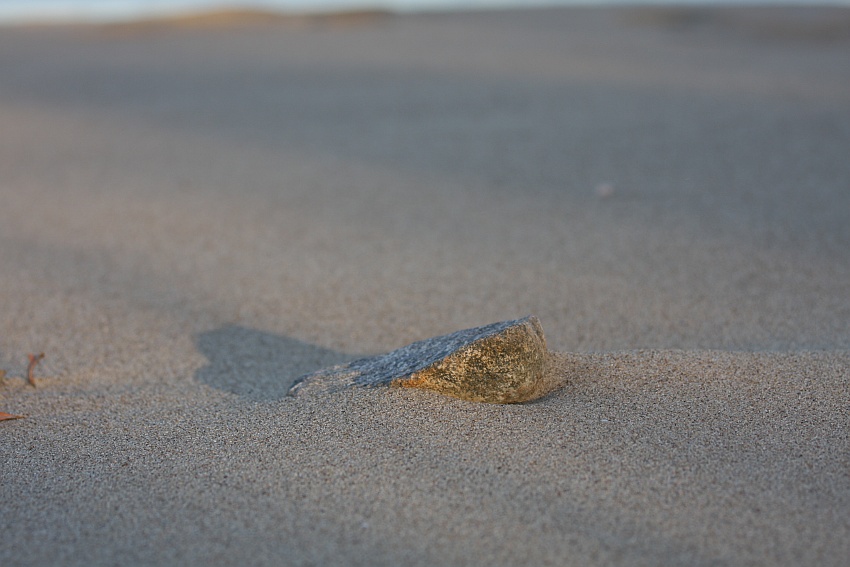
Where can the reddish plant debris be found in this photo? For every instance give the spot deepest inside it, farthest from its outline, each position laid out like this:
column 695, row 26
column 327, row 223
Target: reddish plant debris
column 34, row 360
column 4, row 416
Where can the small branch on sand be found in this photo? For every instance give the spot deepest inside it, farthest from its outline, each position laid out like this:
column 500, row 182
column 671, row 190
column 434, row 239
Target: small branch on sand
column 4, row 416
column 34, row 360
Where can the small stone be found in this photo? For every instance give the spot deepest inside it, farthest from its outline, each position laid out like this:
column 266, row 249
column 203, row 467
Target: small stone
column 499, row 363
column 604, row 190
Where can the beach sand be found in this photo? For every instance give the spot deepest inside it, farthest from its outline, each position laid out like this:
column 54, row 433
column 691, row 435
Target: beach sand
column 191, row 217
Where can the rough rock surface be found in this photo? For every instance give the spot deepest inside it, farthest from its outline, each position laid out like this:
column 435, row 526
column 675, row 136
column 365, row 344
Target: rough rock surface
column 497, row 363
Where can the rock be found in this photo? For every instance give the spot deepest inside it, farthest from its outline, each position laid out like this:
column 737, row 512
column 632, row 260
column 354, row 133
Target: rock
column 499, row 363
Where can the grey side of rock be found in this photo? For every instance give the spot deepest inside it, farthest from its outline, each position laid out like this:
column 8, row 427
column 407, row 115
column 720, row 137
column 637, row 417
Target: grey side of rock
column 498, row 363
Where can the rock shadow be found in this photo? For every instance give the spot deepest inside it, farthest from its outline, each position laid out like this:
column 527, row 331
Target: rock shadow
column 257, row 364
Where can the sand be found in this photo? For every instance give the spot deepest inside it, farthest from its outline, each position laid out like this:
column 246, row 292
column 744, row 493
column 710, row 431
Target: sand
column 193, row 217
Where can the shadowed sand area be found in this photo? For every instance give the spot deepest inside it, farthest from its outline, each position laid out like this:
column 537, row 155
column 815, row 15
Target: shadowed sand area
column 191, row 220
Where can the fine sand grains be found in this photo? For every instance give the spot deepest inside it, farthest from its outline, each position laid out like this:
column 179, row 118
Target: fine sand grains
column 191, row 219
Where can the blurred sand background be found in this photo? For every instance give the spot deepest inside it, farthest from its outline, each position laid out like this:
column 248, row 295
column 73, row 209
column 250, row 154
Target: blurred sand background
column 195, row 212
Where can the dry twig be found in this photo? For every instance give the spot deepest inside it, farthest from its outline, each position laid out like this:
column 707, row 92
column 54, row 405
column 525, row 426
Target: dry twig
column 3, row 415
column 34, row 360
